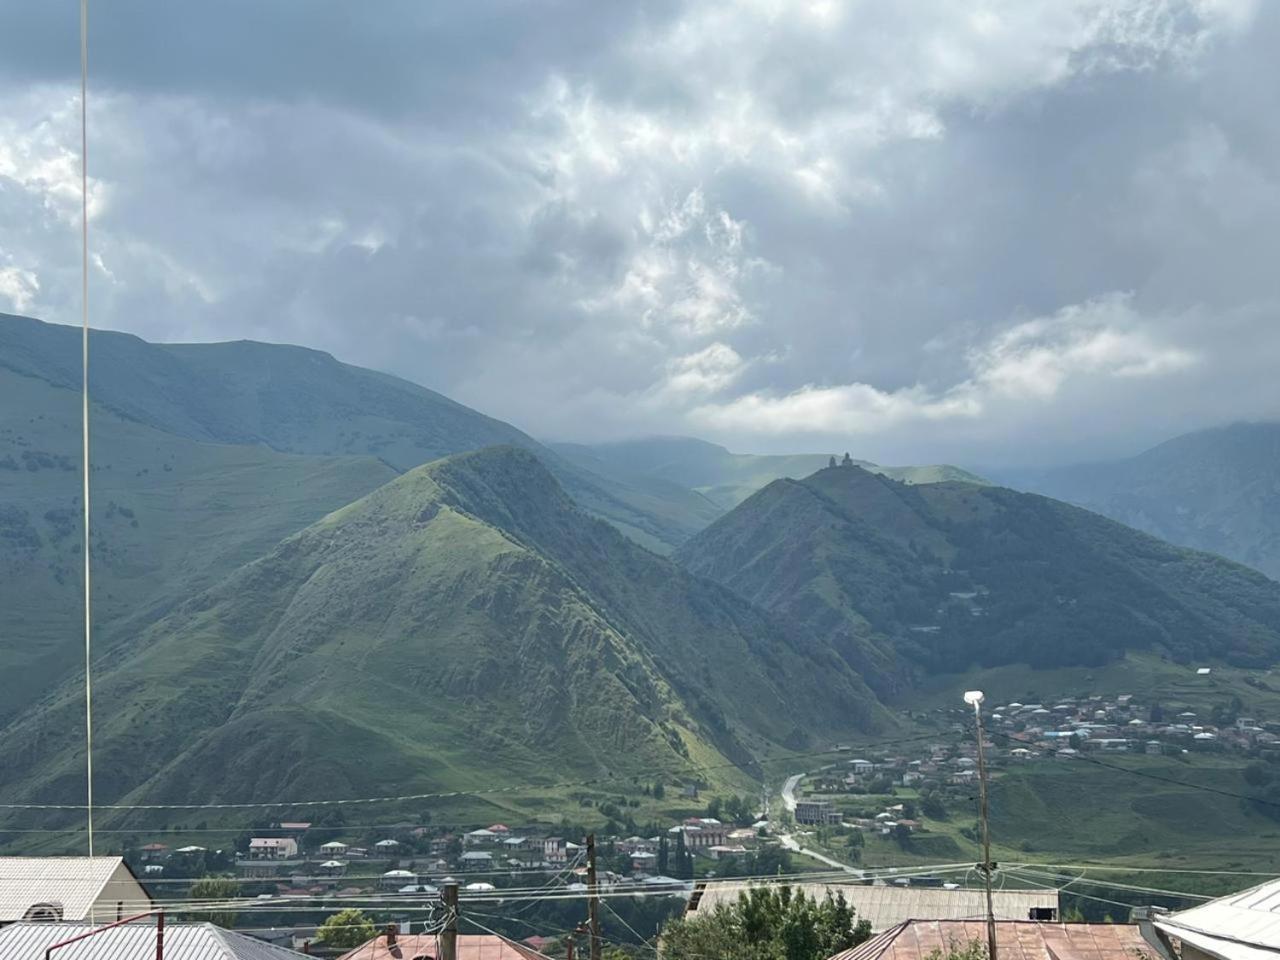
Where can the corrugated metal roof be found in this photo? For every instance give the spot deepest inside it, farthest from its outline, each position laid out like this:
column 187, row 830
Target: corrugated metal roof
column 481, row 946
column 73, row 882
column 887, row 906
column 1015, row 940
column 1250, row 917
column 135, row 941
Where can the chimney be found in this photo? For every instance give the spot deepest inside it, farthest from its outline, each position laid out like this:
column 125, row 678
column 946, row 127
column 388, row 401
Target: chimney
column 391, row 934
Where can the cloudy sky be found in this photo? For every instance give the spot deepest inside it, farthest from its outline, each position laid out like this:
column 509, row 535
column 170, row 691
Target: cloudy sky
column 1002, row 232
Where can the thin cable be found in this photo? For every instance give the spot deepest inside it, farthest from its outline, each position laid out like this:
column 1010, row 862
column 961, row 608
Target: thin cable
column 84, row 412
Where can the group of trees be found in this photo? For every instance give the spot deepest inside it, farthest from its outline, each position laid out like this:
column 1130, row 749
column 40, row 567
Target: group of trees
column 767, row 923
column 734, row 809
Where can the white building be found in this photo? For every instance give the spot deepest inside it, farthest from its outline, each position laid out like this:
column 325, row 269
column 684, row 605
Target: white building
column 72, row 889
column 273, row 848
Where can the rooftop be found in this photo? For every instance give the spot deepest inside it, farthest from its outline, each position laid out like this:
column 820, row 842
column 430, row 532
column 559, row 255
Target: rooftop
column 182, row 941
column 470, row 947
column 885, row 907
column 1015, row 940
column 72, row 883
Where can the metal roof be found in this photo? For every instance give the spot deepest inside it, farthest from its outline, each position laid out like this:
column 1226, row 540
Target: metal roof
column 1248, row 919
column 887, row 906
column 136, row 941
column 470, row 947
column 73, row 882
column 1015, row 940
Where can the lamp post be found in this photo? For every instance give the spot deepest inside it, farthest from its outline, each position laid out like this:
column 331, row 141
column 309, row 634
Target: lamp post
column 974, row 697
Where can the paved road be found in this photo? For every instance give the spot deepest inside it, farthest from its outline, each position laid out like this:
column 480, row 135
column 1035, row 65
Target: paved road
column 789, row 791
column 791, row 843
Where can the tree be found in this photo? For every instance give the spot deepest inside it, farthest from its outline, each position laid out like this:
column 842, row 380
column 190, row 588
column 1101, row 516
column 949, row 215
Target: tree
column 831, row 462
column 664, row 857
column 212, row 889
column 346, row 929
column 973, row 950
column 931, row 806
column 659, row 791
column 768, row 923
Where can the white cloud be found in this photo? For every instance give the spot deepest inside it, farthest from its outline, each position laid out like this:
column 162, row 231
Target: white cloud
column 19, row 287
column 741, row 216
column 1030, row 362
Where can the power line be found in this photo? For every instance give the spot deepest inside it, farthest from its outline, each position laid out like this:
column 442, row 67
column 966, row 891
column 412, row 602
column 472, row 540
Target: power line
column 1147, row 775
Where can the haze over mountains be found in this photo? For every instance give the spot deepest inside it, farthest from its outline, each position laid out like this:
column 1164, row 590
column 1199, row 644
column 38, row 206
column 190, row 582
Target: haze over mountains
column 296, row 560
column 724, row 478
column 1216, row 490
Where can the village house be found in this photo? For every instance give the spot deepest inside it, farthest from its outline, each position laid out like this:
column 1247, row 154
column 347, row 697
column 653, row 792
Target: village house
column 273, row 848
column 555, row 850
column 476, row 860
column 701, row 833
column 817, row 812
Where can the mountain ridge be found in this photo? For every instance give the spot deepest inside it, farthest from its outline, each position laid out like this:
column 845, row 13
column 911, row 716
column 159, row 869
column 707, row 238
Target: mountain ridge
column 940, row 577
column 1216, row 489
column 468, row 593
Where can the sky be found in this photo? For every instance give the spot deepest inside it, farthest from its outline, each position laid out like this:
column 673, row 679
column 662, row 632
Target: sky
column 1010, row 233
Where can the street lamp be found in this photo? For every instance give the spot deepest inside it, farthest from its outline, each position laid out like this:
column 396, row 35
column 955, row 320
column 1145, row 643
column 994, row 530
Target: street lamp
column 974, row 699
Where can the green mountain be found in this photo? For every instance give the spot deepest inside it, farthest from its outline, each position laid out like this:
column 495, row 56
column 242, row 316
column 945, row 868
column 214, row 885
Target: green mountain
column 724, row 478
column 463, row 625
column 900, row 578
column 1215, row 490
column 171, row 516
column 204, row 457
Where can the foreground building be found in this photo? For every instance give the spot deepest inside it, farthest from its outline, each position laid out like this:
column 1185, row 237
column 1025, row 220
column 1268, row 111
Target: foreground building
column 1015, row 940
column 1240, row 926
column 885, row 907
column 392, row 946
column 71, row 889
column 182, row 941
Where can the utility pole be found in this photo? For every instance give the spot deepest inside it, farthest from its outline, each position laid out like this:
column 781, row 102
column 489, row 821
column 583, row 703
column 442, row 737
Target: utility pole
column 593, row 898
column 449, row 935
column 974, row 697
column 568, row 946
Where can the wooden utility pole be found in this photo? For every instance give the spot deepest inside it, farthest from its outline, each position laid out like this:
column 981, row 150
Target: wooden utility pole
column 568, row 947
column 974, row 697
column 449, row 935
column 593, row 898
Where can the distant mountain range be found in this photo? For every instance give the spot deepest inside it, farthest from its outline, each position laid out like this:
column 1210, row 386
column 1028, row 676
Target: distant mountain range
column 309, row 575
column 724, row 478
column 1215, row 490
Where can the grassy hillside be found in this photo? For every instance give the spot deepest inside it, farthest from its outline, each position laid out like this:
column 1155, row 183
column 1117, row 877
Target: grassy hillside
column 297, row 400
column 724, row 478
column 464, row 625
column 1215, row 490
column 171, row 516
column 944, row 576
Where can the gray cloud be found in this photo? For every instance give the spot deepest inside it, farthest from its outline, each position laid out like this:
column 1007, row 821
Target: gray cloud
column 1040, row 232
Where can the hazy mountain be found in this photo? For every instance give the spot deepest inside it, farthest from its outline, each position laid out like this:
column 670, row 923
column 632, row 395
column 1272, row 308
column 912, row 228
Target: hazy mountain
column 463, row 623
column 297, row 400
column 724, row 478
column 942, row 576
column 1216, row 490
